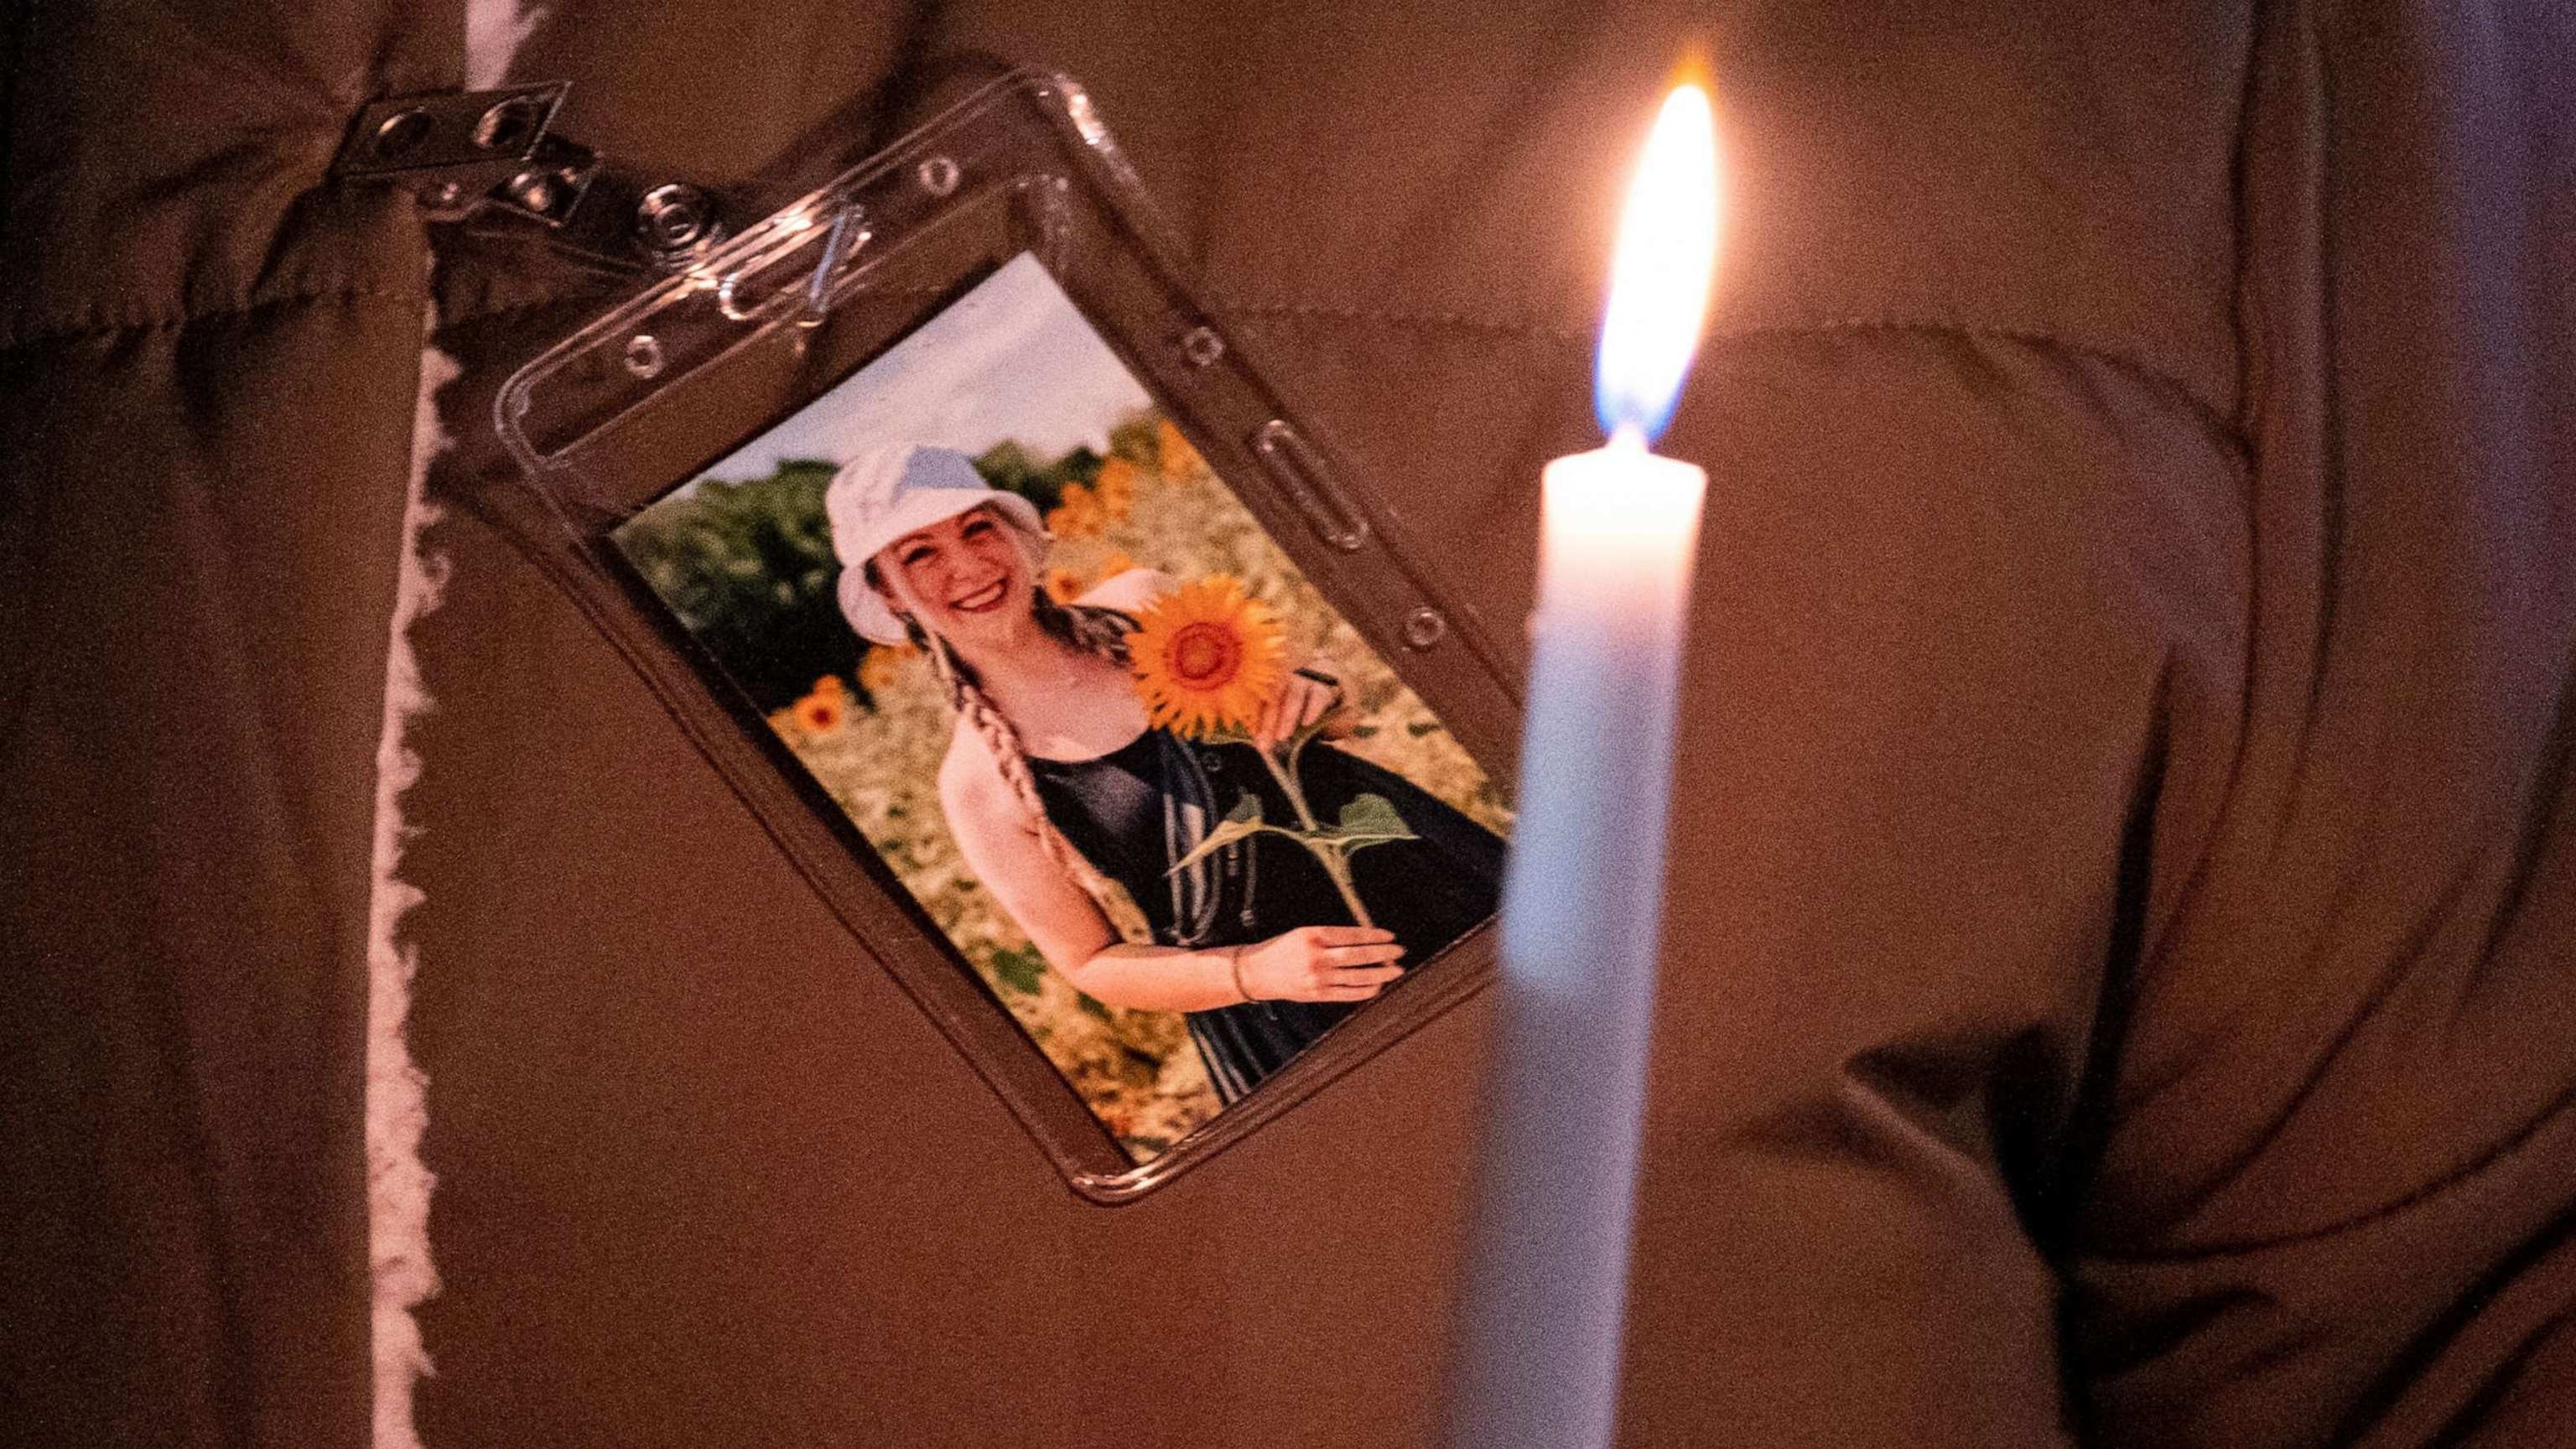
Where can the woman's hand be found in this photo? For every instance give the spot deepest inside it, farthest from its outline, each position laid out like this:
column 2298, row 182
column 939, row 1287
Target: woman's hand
column 1311, row 694
column 1320, row 963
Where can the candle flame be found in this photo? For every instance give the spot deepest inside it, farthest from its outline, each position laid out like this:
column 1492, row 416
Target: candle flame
column 1659, row 276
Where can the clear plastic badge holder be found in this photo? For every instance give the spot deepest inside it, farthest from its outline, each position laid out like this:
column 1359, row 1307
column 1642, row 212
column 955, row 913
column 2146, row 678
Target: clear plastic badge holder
column 631, row 409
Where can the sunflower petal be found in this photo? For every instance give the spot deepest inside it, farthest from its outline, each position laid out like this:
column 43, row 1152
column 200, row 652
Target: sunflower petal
column 1207, row 658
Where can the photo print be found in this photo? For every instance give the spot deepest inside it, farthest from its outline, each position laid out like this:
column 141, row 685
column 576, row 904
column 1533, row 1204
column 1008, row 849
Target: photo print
column 1161, row 798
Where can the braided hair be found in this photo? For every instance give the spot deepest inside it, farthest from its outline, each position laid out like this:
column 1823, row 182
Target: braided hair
column 1084, row 628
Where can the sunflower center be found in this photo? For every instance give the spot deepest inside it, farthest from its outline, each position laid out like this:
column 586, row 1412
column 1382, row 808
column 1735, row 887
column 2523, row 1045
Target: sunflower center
column 1205, row 655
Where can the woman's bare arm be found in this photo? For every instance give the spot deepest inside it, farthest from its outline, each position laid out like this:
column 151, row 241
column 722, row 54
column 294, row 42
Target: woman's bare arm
column 1312, row 963
column 992, row 829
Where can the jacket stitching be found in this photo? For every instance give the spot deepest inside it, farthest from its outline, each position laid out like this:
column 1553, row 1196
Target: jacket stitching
column 104, row 320
column 2136, row 368
column 1456, row 320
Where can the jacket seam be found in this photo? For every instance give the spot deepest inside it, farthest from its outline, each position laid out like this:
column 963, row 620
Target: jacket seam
column 2131, row 365
column 1458, row 321
column 97, row 320
column 2137, row 369
column 496, row 310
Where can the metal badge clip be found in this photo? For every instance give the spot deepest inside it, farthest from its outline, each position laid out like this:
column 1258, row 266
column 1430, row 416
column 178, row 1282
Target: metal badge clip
column 457, row 150
column 477, row 154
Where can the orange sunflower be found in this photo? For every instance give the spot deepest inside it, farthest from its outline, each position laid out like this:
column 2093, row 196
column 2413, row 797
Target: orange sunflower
column 884, row 666
column 824, row 710
column 1077, row 514
column 1114, row 486
column 1207, row 657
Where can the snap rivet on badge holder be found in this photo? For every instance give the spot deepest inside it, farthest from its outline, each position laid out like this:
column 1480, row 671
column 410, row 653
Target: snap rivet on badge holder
column 674, row 217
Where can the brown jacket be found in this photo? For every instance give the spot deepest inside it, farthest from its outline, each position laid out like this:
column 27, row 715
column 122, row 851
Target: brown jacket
column 2120, row 982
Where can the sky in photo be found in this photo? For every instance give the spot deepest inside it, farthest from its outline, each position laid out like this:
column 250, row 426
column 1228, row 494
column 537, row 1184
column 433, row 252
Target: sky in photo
column 1011, row 359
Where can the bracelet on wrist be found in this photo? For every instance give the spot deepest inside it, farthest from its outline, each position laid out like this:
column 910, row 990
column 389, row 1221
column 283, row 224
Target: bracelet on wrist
column 1234, row 966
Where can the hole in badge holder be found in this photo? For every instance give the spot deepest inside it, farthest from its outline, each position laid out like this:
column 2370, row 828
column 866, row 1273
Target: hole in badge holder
column 1423, row 628
column 938, row 175
column 729, row 298
column 644, row 355
column 1201, row 347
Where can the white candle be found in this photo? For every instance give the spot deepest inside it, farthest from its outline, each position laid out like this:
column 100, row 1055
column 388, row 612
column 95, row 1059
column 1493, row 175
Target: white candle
column 1539, row 1325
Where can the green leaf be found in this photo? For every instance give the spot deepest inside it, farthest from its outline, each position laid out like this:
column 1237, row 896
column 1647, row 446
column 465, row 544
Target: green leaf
column 1242, row 821
column 1019, row 970
column 1367, row 820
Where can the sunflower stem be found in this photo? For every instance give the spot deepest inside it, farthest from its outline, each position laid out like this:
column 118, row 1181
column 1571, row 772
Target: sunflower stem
column 1284, row 770
column 1339, row 868
column 1336, row 863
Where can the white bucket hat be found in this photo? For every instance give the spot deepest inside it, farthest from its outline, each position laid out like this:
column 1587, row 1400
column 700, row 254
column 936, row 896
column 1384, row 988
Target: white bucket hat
column 879, row 496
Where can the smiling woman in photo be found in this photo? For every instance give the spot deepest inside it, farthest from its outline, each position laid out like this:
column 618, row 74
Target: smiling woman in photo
column 1058, row 786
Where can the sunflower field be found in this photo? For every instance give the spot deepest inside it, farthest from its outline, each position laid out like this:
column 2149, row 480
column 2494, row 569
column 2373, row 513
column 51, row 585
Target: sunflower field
column 737, row 559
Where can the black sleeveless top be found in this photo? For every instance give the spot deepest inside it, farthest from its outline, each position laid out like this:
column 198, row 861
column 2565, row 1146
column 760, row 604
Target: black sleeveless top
column 1136, row 810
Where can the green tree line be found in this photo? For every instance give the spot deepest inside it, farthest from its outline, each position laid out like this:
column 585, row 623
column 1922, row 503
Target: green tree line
column 748, row 565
